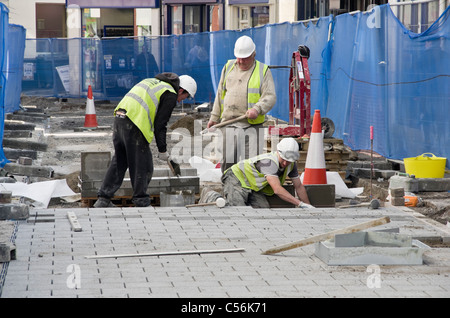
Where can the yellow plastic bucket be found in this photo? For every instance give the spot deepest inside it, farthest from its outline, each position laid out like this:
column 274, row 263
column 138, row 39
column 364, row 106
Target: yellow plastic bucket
column 425, row 166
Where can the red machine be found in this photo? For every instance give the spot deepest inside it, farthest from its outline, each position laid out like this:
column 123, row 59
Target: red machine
column 299, row 97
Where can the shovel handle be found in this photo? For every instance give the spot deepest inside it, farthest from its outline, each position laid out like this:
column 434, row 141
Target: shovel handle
column 224, row 123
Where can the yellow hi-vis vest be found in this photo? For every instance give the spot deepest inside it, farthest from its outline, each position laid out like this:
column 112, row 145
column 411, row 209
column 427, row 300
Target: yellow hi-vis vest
column 141, row 104
column 251, row 178
column 253, row 90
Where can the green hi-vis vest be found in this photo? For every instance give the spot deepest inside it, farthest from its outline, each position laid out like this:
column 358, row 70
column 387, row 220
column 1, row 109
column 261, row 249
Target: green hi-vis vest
column 141, row 104
column 251, row 178
column 253, row 90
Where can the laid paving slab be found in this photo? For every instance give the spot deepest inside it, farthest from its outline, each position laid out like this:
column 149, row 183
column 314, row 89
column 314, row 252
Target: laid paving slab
column 51, row 257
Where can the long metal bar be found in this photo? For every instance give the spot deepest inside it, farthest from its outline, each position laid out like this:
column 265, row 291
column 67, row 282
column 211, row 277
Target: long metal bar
column 233, row 250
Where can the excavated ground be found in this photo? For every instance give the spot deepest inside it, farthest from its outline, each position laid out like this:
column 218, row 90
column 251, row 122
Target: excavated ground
column 61, row 132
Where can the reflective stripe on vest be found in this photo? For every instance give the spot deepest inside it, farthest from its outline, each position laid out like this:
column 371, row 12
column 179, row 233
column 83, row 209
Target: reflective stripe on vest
column 141, row 104
column 251, row 178
column 253, row 87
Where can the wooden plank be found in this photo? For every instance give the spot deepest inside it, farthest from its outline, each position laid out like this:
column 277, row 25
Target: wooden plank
column 328, row 235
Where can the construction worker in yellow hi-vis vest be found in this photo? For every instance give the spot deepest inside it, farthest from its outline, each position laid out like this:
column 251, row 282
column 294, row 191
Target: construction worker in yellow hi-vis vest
column 250, row 181
column 246, row 87
column 141, row 116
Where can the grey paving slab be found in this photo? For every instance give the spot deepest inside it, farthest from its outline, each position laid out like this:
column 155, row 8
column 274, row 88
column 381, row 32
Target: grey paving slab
column 51, row 258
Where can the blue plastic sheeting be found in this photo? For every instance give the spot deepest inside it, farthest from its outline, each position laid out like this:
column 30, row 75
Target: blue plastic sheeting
column 384, row 76
column 366, row 70
column 4, row 30
column 14, row 69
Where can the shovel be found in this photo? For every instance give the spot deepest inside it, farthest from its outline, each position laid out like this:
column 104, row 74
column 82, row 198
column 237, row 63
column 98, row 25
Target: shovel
column 224, row 123
column 174, row 167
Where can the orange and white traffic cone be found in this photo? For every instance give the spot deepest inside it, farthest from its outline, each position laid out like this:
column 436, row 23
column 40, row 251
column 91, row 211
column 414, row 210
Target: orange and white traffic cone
column 315, row 170
column 90, row 120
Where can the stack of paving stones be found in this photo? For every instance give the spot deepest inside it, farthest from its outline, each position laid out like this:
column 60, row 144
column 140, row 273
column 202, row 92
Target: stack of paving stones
column 21, row 146
column 93, row 169
column 397, row 196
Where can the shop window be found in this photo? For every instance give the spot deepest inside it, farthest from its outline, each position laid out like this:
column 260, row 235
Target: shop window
column 192, row 19
column 177, row 19
column 50, row 20
column 250, row 17
column 260, row 15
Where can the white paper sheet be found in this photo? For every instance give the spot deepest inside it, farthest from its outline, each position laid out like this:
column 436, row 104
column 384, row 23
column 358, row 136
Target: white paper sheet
column 40, row 192
column 341, row 188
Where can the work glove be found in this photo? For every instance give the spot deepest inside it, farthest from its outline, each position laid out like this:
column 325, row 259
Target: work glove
column 304, row 205
column 163, row 156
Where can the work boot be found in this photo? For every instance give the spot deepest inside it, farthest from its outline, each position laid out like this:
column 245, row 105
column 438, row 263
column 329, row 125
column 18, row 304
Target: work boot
column 103, row 203
column 141, row 202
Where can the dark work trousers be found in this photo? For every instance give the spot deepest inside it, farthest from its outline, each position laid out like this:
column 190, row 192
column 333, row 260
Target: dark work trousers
column 132, row 151
column 241, row 143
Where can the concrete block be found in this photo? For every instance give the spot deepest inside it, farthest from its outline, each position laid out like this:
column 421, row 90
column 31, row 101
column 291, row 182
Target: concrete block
column 398, row 201
column 31, row 171
column 5, row 196
column 94, row 165
column 27, row 161
column 397, row 192
column 166, row 172
column 434, row 184
column 379, row 165
column 386, row 174
column 365, row 248
column 14, row 211
column 158, row 184
column 24, row 144
column 33, row 118
column 276, row 202
column 321, row 195
column 7, row 252
column 16, row 153
column 365, row 172
column 17, row 134
column 10, row 125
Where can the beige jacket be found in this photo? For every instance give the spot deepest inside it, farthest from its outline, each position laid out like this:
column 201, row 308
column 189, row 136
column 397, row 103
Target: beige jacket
column 235, row 102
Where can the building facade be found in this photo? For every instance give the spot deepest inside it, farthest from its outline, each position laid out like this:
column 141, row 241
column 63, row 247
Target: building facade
column 115, row 18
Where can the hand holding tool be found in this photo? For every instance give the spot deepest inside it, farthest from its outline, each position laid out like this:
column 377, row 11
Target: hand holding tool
column 224, row 123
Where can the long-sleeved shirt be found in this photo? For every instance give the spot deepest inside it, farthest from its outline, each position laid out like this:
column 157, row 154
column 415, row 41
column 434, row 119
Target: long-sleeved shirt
column 236, row 101
column 167, row 103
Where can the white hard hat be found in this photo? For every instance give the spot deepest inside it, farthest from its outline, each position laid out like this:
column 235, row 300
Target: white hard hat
column 288, row 149
column 188, row 84
column 244, row 47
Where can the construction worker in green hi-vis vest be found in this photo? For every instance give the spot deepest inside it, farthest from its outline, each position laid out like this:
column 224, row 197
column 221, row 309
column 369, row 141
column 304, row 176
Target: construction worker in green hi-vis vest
column 141, row 115
column 246, row 87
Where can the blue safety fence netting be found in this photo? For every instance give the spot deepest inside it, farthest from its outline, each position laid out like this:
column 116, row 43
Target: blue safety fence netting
column 366, row 70
column 382, row 75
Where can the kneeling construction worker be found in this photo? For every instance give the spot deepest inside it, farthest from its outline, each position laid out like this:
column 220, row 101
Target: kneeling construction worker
column 142, row 114
column 250, row 181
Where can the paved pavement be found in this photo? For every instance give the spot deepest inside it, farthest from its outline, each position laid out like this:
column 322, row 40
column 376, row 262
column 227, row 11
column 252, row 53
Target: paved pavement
column 51, row 257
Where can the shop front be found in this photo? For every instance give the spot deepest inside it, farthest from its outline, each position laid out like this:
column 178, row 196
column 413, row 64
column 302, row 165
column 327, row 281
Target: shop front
column 192, row 16
column 111, row 65
column 250, row 13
